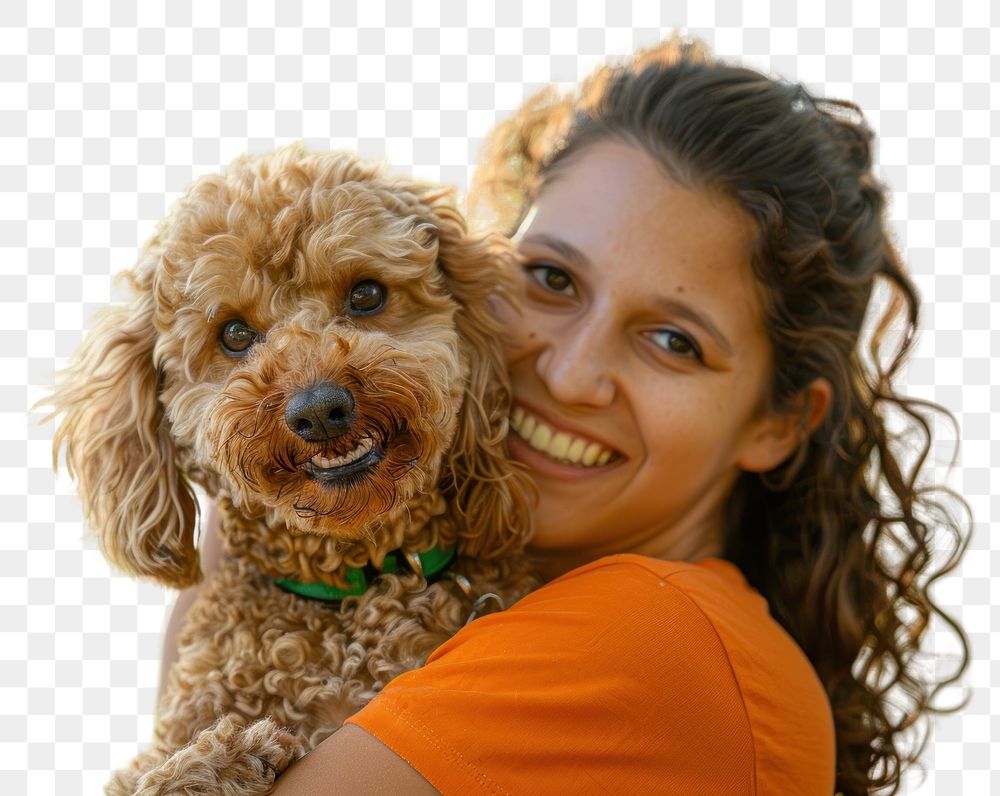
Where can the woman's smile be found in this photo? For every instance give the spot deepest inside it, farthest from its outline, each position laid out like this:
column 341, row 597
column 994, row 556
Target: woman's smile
column 555, row 449
column 559, row 441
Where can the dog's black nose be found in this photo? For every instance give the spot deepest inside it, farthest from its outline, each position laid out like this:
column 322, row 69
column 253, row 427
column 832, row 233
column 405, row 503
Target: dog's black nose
column 320, row 412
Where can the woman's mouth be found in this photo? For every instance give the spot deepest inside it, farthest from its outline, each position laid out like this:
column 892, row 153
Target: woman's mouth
column 563, row 446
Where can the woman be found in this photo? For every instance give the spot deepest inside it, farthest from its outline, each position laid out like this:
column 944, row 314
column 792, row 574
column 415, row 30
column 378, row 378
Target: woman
column 699, row 246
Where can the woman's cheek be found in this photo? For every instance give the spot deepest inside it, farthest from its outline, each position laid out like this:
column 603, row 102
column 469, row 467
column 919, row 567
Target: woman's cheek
column 516, row 322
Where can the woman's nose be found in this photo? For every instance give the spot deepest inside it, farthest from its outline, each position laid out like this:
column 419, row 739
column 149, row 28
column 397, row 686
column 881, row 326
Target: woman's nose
column 577, row 365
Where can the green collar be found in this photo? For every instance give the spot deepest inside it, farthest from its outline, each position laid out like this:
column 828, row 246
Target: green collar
column 434, row 561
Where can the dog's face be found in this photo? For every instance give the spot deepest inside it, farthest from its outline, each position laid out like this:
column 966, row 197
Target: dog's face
column 310, row 336
column 308, row 346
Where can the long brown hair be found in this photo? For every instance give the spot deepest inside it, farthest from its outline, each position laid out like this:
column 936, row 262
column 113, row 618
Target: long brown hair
column 840, row 537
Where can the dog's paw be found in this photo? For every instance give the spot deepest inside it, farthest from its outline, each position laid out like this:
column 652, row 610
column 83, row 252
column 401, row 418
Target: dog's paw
column 230, row 758
column 120, row 784
column 123, row 781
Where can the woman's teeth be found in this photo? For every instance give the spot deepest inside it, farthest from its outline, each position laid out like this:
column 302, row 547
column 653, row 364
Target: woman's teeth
column 325, row 464
column 558, row 444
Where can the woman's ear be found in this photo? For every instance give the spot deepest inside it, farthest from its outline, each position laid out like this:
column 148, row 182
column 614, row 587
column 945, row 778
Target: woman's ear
column 119, row 448
column 489, row 490
column 775, row 437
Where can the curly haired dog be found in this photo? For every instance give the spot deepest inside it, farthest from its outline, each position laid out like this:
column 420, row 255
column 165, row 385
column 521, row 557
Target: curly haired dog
column 310, row 342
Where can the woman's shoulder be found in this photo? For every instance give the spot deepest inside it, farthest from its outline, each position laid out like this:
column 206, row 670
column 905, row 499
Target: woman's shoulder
column 621, row 602
column 639, row 669
column 663, row 612
column 702, row 622
column 711, row 596
column 640, row 570
column 690, row 640
column 626, row 586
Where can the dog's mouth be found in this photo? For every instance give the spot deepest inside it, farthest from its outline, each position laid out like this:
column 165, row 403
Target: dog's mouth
column 363, row 457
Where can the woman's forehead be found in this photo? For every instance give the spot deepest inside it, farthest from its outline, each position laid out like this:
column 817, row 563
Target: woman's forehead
column 614, row 200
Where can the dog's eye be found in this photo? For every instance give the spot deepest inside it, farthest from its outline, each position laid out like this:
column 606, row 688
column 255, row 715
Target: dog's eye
column 236, row 338
column 367, row 297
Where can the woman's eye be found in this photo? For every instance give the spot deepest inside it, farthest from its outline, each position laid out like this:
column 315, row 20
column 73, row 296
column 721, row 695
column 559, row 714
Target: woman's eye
column 675, row 343
column 552, row 278
column 367, row 297
column 236, row 338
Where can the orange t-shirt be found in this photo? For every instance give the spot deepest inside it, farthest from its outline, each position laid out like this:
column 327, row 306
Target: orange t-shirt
column 627, row 675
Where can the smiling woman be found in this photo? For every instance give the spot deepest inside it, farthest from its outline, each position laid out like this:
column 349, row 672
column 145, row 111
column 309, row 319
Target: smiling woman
column 598, row 351
column 698, row 246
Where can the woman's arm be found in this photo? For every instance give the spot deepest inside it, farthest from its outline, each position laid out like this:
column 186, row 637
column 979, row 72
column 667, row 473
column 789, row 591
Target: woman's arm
column 352, row 760
column 211, row 553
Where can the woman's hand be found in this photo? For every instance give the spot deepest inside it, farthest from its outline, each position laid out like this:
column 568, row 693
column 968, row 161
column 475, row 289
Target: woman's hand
column 352, row 760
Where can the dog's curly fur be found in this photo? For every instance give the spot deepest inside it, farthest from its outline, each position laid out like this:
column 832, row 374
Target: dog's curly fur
column 153, row 404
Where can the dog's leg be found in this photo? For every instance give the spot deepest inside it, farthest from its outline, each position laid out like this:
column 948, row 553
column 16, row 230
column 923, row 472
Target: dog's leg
column 230, row 758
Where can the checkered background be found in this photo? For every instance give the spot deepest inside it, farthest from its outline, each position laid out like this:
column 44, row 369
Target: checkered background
column 108, row 110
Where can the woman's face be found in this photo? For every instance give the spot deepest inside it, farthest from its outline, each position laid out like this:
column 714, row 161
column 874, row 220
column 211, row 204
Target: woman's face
column 638, row 416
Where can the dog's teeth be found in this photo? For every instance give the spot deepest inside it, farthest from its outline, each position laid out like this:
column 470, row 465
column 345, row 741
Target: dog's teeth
column 325, row 464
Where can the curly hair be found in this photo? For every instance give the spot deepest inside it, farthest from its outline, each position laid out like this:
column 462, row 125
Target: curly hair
column 840, row 537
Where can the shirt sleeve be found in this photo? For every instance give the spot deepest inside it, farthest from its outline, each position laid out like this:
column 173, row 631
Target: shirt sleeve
column 612, row 680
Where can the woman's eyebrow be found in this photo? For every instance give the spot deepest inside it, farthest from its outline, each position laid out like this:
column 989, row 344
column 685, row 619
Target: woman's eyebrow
column 567, row 250
column 678, row 307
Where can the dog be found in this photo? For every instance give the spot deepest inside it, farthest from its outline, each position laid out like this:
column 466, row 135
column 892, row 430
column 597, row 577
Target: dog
column 311, row 342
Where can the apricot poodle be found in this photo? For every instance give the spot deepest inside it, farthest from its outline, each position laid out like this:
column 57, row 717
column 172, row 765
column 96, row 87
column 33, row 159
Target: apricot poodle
column 311, row 343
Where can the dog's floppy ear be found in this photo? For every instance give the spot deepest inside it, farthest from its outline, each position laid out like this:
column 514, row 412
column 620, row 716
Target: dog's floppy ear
column 489, row 490
column 119, row 449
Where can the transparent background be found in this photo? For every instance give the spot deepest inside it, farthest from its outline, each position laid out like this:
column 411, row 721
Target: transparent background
column 108, row 110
